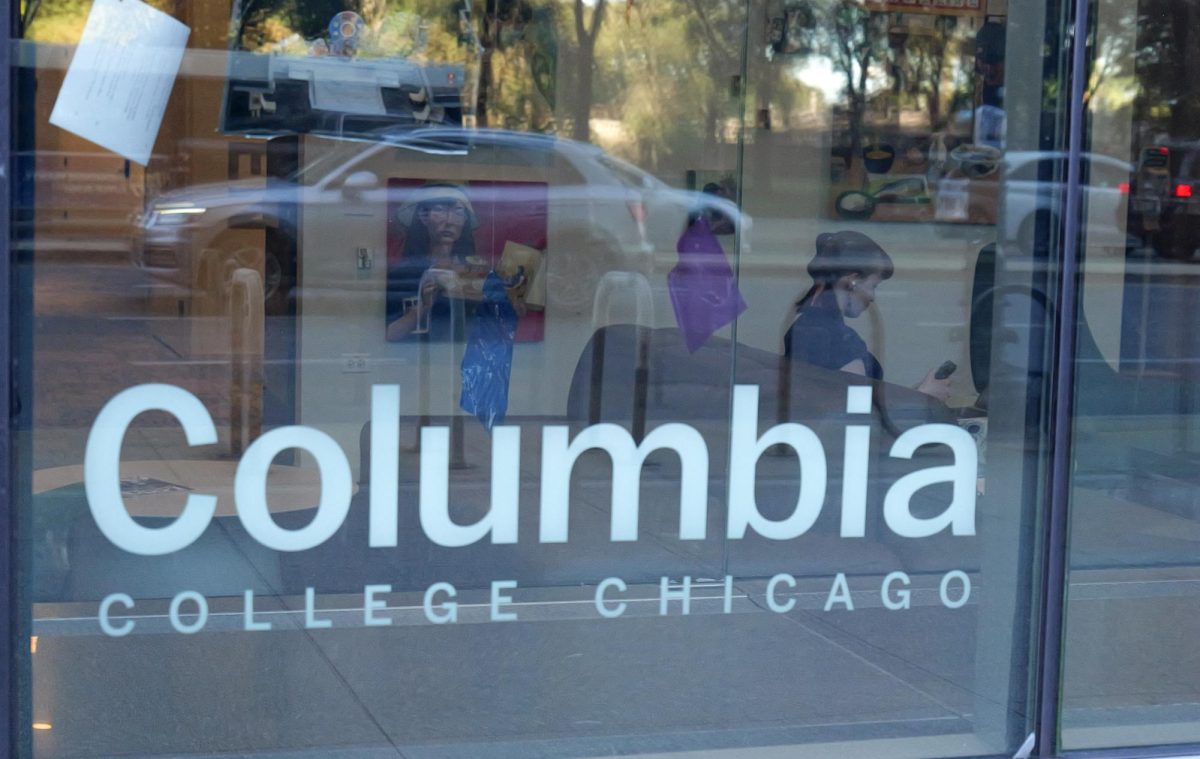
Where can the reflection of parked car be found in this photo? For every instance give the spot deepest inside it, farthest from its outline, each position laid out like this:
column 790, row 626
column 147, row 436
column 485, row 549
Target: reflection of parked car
column 605, row 214
column 1035, row 185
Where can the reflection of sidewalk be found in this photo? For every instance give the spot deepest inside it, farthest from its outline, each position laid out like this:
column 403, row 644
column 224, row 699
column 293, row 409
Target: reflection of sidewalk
column 557, row 682
column 92, row 339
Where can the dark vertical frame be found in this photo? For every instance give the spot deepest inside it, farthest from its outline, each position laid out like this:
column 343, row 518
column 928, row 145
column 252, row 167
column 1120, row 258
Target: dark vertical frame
column 1026, row 653
column 1054, row 590
column 14, row 299
column 1052, row 637
column 16, row 309
column 283, row 158
column 9, row 608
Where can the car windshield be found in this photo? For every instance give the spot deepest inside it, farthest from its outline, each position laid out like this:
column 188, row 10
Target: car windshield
column 628, row 175
column 342, row 158
column 312, row 172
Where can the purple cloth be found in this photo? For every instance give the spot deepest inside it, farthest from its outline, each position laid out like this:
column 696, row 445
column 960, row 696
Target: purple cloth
column 703, row 287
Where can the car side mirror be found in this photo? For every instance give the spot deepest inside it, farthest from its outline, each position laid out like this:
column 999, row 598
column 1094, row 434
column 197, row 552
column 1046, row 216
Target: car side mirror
column 359, row 182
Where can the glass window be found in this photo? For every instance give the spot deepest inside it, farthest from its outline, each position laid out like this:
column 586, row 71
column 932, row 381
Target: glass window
column 540, row 377
column 1129, row 658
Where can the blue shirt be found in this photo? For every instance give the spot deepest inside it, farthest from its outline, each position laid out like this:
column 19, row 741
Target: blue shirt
column 821, row 337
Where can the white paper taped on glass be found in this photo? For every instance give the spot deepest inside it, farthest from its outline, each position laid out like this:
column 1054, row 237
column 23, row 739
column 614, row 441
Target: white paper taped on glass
column 116, row 88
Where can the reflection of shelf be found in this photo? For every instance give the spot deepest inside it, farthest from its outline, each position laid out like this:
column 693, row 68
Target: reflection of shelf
column 951, row 200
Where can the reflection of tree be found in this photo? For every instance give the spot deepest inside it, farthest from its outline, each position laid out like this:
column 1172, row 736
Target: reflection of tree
column 519, row 66
column 1147, row 55
column 715, row 33
column 263, row 23
column 585, row 38
column 308, row 18
column 920, row 61
column 854, row 39
column 1168, row 65
column 62, row 20
column 659, row 95
column 669, row 74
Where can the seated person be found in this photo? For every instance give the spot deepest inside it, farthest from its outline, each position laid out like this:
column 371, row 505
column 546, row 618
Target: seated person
column 846, row 270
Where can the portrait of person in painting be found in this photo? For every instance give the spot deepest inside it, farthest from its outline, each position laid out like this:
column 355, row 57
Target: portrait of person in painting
column 439, row 221
column 846, row 270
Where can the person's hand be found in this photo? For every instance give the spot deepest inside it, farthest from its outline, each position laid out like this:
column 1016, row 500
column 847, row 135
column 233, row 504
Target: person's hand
column 516, row 296
column 937, row 388
column 429, row 291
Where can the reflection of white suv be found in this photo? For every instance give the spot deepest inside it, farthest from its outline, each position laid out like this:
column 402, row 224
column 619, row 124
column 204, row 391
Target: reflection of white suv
column 1035, row 184
column 607, row 214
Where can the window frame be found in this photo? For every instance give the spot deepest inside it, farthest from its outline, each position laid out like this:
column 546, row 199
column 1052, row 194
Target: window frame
column 15, row 298
column 15, row 661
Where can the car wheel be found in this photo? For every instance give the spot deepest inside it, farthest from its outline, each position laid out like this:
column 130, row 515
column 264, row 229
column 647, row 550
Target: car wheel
column 219, row 262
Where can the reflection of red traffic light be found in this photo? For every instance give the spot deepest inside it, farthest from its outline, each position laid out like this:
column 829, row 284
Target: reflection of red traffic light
column 1163, row 151
column 1123, row 188
column 1183, row 191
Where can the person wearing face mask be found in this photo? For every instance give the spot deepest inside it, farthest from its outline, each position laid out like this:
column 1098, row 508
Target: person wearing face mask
column 846, row 270
column 440, row 223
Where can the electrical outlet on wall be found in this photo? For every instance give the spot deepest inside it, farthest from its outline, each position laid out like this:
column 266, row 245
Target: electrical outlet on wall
column 356, row 363
column 364, row 258
column 364, row 261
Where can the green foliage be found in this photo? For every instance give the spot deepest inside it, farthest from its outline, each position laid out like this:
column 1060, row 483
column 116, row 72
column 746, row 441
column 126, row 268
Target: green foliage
column 661, row 77
column 58, row 21
column 62, row 21
column 393, row 28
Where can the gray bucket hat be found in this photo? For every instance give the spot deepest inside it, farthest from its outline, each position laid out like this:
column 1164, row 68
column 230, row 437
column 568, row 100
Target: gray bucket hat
column 432, row 193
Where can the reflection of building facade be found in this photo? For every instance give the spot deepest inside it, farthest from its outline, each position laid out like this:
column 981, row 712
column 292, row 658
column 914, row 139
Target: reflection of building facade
column 537, row 378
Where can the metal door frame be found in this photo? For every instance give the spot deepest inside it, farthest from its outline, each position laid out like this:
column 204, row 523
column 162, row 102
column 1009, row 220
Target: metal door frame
column 15, row 299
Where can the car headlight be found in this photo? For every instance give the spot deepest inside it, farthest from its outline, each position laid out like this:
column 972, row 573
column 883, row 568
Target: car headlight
column 158, row 218
column 173, row 214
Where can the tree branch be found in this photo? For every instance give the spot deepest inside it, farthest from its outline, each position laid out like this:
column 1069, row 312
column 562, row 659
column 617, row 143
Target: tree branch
column 580, row 29
column 597, row 19
column 726, row 56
